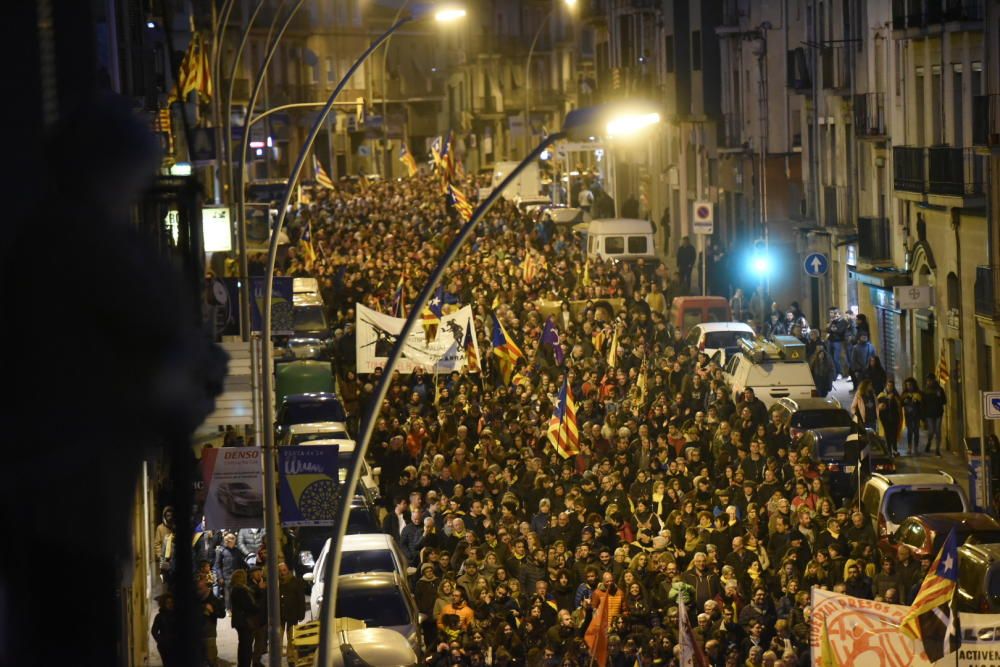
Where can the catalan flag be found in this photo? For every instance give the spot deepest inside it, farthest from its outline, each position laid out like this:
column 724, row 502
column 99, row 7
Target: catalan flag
column 827, row 656
column 399, row 299
column 596, row 636
column 471, row 353
column 529, row 267
column 436, row 151
column 505, row 349
column 585, row 281
column 931, row 618
column 431, row 316
column 448, row 160
column 459, row 202
column 194, row 74
column 306, row 246
column 942, row 371
column 521, row 380
column 564, row 432
column 407, row 159
column 322, row 178
column 613, row 350
column 692, row 654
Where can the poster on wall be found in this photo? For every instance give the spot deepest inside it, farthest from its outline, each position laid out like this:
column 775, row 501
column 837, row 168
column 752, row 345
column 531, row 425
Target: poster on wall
column 234, row 485
column 377, row 333
column 307, row 483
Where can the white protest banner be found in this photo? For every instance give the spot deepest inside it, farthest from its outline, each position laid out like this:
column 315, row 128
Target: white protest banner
column 865, row 633
column 377, row 333
column 234, row 479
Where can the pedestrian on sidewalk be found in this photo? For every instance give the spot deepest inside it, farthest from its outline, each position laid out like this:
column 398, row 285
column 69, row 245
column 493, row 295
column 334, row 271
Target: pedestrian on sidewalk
column 258, row 585
column 165, row 629
column 859, row 358
column 876, row 373
column 890, row 414
column 245, row 616
column 863, row 408
column 933, row 411
column 228, row 559
column 836, row 331
column 912, row 402
column 686, row 256
column 293, row 604
column 823, row 371
column 212, row 609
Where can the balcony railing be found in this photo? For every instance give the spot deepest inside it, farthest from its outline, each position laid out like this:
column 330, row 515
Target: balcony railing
column 956, row 172
column 923, row 13
column 730, row 131
column 874, row 240
column 869, row 115
column 836, row 73
column 908, row 168
column 986, row 120
column 987, row 292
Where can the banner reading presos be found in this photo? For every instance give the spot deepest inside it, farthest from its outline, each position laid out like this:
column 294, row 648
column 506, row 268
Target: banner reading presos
column 865, row 633
column 235, row 488
column 307, row 478
column 376, row 334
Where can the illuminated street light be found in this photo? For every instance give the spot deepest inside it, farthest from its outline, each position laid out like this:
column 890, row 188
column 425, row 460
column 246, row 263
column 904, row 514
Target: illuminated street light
column 630, row 124
column 449, row 14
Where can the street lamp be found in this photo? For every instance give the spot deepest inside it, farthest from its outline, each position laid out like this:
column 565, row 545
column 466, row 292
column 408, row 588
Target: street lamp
column 569, row 4
column 580, row 125
column 443, row 15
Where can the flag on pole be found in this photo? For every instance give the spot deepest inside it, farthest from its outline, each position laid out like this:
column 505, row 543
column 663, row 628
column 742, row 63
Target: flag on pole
column 306, row 246
column 521, row 380
column 596, row 636
column 550, row 340
column 613, row 350
column 642, row 382
column 431, row 316
column 448, row 160
column 529, row 267
column 931, row 618
column 436, row 151
column 827, row 656
column 460, row 202
column 585, row 281
column 399, row 299
column 471, row 355
column 692, row 655
column 407, row 159
column 194, row 74
column 564, row 432
column 322, row 178
column 505, row 349
column 942, row 371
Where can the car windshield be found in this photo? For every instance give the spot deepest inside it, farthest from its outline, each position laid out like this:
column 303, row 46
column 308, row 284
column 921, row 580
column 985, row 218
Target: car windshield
column 300, row 438
column 379, row 560
column 309, row 318
column 378, row 608
column 718, row 339
column 905, row 502
column 810, row 419
column 311, row 413
column 361, row 522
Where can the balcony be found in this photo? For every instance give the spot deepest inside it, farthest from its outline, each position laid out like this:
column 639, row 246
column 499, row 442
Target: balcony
column 955, row 172
column 986, row 120
column 874, row 240
column 922, row 14
column 869, row 116
column 987, row 291
column 908, row 168
column 955, row 10
column 730, row 131
column 836, row 72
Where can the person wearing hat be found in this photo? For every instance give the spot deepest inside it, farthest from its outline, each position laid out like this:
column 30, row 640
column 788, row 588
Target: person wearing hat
column 164, row 629
column 425, row 593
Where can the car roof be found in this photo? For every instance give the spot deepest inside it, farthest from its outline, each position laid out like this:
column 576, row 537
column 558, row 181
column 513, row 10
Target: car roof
column 917, row 479
column 368, row 580
column 318, row 427
column 941, row 521
column 311, row 397
column 346, row 445
column 619, row 226
column 990, row 551
column 367, row 542
column 796, row 404
column 711, row 327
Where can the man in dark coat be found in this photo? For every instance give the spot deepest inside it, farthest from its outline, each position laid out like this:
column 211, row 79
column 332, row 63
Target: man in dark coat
column 686, row 256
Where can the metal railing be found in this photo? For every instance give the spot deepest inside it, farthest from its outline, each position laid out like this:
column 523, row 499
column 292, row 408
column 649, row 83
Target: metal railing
column 869, row 115
column 874, row 240
column 923, row 13
column 908, row 168
column 987, row 291
column 957, row 172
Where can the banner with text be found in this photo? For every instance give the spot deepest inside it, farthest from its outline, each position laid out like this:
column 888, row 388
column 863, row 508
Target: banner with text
column 377, row 333
column 308, row 484
column 235, row 487
column 865, row 633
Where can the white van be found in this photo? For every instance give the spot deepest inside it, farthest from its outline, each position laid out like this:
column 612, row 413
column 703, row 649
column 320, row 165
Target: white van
column 774, row 370
column 527, row 184
column 621, row 238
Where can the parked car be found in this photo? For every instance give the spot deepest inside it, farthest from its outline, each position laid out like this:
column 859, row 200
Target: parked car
column 724, row 337
column 300, row 434
column 309, row 316
column 889, row 499
column 925, row 533
column 803, row 414
column 368, row 484
column 362, row 520
column 774, row 370
column 303, row 348
column 830, row 446
column 372, row 647
column 689, row 311
column 978, row 578
column 381, row 600
column 310, row 408
column 240, row 499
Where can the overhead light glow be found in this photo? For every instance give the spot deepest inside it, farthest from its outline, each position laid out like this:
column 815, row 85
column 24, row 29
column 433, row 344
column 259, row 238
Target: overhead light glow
column 448, row 14
column 630, row 124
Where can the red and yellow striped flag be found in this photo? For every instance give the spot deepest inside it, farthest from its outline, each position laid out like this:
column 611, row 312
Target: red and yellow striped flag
column 564, row 432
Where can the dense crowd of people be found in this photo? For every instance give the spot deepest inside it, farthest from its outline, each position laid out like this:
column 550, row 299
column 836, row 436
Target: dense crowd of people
column 680, row 490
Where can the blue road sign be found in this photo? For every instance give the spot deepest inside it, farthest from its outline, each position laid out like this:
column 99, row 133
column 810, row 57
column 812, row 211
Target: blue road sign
column 816, row 264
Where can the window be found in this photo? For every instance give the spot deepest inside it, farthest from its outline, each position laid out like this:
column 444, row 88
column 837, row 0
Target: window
column 810, row 419
column 378, row 608
column 691, row 318
column 331, row 70
column 696, row 50
column 614, row 245
column 718, row 315
column 378, row 560
column 904, row 503
column 724, row 339
column 668, row 52
column 637, row 245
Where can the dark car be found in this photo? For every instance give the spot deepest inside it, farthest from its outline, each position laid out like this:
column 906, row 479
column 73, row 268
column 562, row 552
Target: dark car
column 240, row 499
column 361, row 521
column 804, row 414
column 925, row 533
column 310, row 408
column 978, row 579
column 829, row 445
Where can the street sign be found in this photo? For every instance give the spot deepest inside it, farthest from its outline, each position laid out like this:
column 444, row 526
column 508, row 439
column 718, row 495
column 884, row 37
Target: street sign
column 703, row 221
column 991, row 405
column 816, row 264
column 202, row 145
column 913, row 296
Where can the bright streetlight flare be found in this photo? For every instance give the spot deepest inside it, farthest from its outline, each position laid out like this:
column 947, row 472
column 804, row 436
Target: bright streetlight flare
column 570, row 3
column 448, row 14
column 630, row 124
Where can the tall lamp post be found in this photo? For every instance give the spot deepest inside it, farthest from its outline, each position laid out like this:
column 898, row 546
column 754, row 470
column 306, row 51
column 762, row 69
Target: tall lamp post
column 270, row 488
column 580, row 124
column 571, row 5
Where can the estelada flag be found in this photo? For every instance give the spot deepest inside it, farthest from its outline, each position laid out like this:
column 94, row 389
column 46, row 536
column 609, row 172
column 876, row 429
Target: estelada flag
column 596, row 636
